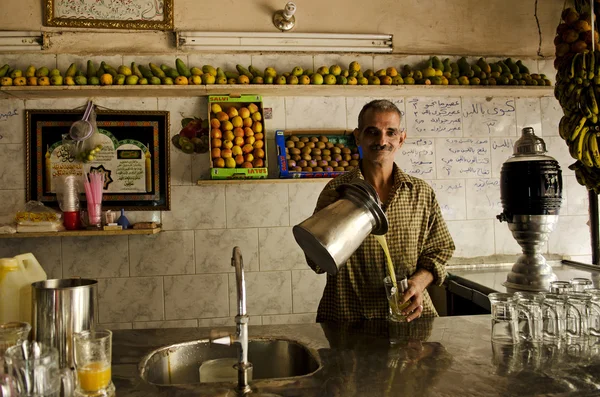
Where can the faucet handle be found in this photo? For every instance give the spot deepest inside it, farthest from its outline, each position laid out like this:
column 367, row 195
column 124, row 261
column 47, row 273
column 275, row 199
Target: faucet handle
column 221, row 337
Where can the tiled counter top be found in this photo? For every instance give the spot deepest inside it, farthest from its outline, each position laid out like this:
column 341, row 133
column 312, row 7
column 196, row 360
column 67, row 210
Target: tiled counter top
column 445, row 356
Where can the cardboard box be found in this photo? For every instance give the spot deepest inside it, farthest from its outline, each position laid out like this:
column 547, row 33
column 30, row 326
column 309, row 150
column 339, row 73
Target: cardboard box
column 255, row 149
column 344, row 137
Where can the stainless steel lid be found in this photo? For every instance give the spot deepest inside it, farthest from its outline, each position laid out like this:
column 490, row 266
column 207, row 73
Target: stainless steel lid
column 529, row 143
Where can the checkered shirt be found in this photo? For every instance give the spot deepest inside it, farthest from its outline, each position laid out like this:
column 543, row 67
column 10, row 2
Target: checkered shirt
column 418, row 238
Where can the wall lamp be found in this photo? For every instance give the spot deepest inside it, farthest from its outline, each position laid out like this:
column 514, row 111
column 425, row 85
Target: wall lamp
column 14, row 41
column 284, row 42
column 285, row 20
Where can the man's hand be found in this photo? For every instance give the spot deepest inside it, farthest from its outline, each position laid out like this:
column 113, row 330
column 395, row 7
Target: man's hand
column 416, row 285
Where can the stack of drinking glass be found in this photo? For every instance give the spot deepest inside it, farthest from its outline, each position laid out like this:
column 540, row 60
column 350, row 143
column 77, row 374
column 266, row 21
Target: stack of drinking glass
column 567, row 317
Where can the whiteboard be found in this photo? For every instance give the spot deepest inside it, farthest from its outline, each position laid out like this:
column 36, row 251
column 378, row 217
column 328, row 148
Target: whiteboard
column 463, row 158
column 483, row 117
column 434, row 117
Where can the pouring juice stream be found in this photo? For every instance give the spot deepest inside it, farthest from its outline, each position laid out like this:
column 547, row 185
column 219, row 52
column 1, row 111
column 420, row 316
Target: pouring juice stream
column 390, row 265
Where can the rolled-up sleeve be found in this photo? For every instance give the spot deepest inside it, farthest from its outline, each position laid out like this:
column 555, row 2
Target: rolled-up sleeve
column 438, row 247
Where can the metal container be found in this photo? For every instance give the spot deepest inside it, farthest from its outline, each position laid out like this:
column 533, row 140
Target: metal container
column 531, row 195
column 330, row 236
column 62, row 307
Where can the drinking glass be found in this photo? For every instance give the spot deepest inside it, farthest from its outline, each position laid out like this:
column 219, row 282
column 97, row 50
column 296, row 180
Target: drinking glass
column 560, row 287
column 12, row 334
column 35, row 367
column 594, row 311
column 554, row 317
column 577, row 315
column 530, row 319
column 504, row 318
column 93, row 354
column 394, row 296
column 581, row 284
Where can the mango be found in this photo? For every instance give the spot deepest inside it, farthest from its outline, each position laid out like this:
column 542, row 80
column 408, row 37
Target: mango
column 209, row 78
column 316, row 79
column 354, row 66
column 269, row 71
column 143, row 81
column 32, row 80
column 43, row 81
column 20, row 81
column 6, row 81
column 154, row 80
column 363, row 80
column 71, row 71
column 374, row 80
column 91, row 69
column 341, row 80
column 30, row 71
column 329, row 79
column 132, row 80
column 182, row 68
column 281, row 80
column 124, row 70
column 352, row 80
column 304, row 79
column 196, row 71
column 293, row 80
column 69, row 80
column 256, row 80
column 242, row 79
column 4, row 70
column 335, row 70
column 94, row 80
column 106, row 79
column 56, row 80
column 167, row 81
column 397, row 80
column 42, row 72
column 80, row 80
column 208, row 69
column 16, row 73
column 181, row 80
column 157, row 71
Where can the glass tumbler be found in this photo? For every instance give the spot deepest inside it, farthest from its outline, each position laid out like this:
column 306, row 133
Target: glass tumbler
column 504, row 318
column 93, row 354
column 560, row 287
column 594, row 311
column 12, row 334
column 394, row 295
column 577, row 325
column 530, row 319
column 581, row 284
column 554, row 317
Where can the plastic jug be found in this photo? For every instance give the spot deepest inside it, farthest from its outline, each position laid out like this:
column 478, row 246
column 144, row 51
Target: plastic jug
column 16, row 276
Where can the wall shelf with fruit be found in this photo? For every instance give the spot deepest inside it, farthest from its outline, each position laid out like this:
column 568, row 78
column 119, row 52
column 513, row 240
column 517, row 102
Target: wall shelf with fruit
column 83, row 233
column 434, row 77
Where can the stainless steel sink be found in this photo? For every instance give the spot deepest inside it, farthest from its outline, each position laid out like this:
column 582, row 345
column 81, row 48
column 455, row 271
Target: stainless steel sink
column 179, row 364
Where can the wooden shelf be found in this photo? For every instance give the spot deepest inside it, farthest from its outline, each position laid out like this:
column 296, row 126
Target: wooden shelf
column 84, row 233
column 202, row 182
column 36, row 92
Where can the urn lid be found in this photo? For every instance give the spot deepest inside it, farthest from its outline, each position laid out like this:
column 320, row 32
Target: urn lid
column 529, row 144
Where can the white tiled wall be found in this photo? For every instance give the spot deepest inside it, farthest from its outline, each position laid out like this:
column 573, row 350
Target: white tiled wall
column 182, row 277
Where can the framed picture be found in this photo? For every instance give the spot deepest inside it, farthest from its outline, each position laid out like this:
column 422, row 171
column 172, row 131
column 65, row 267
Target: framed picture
column 113, row 14
column 133, row 155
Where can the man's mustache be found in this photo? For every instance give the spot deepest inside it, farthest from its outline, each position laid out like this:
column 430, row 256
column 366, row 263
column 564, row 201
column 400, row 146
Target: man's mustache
column 377, row 147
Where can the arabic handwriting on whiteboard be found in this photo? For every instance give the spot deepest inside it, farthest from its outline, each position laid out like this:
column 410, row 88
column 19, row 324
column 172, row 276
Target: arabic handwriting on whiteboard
column 434, row 116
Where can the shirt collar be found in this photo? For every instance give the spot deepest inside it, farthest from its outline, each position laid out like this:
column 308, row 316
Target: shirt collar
column 401, row 179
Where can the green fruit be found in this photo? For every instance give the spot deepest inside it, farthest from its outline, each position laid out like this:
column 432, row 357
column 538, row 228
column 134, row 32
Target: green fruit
column 281, row 80
column 124, row 70
column 119, row 80
column 182, row 69
column 80, row 80
column 132, row 80
column 341, row 80
column 155, row 80
column 156, row 71
column 167, row 81
column 71, row 71
column 316, row 78
column 56, row 80
column 94, row 80
column 42, row 72
column 143, row 81
column 374, row 80
column 297, row 71
column 293, row 79
column 329, row 79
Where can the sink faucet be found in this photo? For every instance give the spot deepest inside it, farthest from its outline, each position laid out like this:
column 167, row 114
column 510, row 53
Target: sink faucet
column 241, row 321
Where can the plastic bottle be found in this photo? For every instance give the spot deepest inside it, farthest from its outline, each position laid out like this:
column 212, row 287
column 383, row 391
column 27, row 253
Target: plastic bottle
column 16, row 276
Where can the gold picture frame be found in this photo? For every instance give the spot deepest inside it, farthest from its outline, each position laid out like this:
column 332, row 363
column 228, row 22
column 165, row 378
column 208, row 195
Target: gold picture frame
column 135, row 14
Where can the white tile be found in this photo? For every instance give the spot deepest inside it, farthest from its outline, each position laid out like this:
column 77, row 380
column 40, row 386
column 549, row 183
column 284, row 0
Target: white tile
column 551, row 115
column 12, row 120
column 12, row 201
column 226, row 61
column 64, row 60
column 303, row 199
column 282, row 62
column 277, row 120
column 130, row 299
column 303, row 318
column 196, row 207
column 56, row 103
column 577, row 197
column 504, row 240
column 200, row 168
column 545, row 66
column 145, row 60
column 558, row 149
column 12, row 166
column 343, row 60
column 416, row 157
column 325, row 112
column 450, row 196
column 168, row 252
column 472, row 238
column 47, row 251
column 198, row 296
column 165, row 324
column 279, row 250
column 529, row 114
column 260, row 205
column 502, row 150
column 355, row 104
column 483, row 198
column 220, row 322
column 137, row 103
column 571, row 236
column 95, row 257
column 267, row 293
column 114, row 326
column 214, row 249
column 143, row 216
column 307, row 290
column 396, row 61
column 487, row 117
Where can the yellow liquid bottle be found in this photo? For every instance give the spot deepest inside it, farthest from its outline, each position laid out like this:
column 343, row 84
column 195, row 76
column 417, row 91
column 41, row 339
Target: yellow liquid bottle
column 395, row 307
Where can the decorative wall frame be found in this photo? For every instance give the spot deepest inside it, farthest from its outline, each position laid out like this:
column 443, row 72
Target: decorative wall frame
column 134, row 157
column 112, row 14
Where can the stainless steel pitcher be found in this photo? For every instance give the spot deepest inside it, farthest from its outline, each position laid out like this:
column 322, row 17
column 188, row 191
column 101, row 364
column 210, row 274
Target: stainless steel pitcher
column 62, row 307
column 330, row 236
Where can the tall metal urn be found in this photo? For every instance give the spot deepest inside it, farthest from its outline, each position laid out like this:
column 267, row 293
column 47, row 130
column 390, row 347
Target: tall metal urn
column 531, row 195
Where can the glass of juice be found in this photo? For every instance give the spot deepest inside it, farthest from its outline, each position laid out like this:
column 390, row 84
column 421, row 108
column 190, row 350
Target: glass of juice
column 93, row 354
column 394, row 290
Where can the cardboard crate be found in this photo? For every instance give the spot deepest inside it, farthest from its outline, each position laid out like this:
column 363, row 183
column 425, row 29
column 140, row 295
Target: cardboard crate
column 239, row 101
column 334, row 136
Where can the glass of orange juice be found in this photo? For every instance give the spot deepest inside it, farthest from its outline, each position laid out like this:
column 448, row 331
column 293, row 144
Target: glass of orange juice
column 93, row 354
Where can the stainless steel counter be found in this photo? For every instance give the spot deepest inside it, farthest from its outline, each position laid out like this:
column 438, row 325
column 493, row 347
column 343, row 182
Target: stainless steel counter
column 491, row 278
column 445, row 356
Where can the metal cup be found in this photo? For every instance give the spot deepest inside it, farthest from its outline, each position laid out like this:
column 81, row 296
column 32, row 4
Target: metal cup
column 61, row 308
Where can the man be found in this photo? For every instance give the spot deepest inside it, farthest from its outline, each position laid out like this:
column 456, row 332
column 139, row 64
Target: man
column 419, row 241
